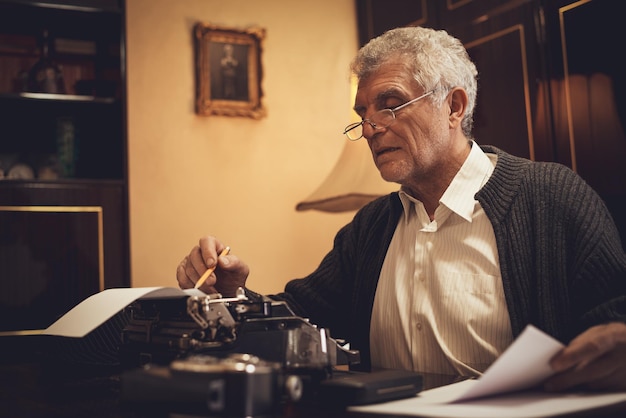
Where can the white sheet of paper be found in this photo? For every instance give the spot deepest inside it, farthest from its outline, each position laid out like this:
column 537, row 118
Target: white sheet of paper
column 98, row 308
column 437, row 403
column 502, row 391
column 524, row 364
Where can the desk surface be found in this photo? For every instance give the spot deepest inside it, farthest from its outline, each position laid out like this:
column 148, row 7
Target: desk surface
column 30, row 387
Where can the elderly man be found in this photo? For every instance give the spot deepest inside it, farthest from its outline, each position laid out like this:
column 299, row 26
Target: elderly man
column 443, row 275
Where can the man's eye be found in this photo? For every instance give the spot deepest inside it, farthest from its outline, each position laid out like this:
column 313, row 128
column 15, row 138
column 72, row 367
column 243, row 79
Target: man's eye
column 390, row 104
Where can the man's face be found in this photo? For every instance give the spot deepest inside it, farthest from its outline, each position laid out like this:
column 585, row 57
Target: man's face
column 413, row 149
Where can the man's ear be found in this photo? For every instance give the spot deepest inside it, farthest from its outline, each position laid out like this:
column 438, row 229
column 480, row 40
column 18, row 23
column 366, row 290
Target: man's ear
column 458, row 104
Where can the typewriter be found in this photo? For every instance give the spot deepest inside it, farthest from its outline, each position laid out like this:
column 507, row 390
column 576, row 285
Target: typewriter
column 241, row 356
column 162, row 330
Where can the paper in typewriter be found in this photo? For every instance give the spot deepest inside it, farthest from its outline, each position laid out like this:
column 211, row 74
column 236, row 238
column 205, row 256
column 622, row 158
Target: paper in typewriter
column 100, row 307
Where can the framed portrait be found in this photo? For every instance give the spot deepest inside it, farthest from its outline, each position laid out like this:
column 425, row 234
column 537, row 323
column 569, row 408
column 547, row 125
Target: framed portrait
column 228, row 71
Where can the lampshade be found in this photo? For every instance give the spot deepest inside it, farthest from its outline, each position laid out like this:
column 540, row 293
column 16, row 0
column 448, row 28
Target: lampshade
column 352, row 183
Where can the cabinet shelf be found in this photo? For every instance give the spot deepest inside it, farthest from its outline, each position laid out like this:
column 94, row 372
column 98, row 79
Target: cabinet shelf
column 58, row 183
column 73, row 5
column 70, row 98
column 63, row 136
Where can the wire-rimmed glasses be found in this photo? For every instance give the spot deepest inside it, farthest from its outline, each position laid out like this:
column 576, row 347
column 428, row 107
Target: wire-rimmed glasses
column 382, row 119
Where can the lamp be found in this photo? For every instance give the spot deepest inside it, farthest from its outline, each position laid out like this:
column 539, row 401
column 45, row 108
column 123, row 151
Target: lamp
column 352, row 183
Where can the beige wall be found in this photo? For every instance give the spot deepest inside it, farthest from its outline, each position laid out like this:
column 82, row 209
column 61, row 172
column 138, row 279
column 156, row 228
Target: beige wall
column 236, row 178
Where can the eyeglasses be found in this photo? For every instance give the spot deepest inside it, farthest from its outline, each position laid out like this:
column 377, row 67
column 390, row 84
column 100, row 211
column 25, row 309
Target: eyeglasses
column 380, row 120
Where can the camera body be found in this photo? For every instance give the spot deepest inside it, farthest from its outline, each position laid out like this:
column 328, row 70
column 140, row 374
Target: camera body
column 237, row 385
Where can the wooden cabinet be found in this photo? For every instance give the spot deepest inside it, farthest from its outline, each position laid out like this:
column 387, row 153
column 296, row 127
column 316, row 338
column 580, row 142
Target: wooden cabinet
column 377, row 16
column 63, row 180
column 551, row 84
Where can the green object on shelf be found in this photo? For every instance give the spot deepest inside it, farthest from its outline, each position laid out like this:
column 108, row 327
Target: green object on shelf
column 66, row 147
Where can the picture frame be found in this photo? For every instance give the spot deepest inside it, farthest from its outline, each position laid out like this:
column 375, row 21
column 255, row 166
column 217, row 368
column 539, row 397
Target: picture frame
column 229, row 71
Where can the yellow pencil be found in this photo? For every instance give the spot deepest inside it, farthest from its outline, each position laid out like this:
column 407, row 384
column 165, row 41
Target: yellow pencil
column 207, row 273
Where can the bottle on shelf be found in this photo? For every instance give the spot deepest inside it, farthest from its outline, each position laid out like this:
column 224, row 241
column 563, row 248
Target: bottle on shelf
column 46, row 76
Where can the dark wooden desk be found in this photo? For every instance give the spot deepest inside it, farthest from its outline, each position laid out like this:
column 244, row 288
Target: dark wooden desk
column 33, row 387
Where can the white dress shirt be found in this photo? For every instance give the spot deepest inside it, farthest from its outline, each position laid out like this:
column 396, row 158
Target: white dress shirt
column 439, row 305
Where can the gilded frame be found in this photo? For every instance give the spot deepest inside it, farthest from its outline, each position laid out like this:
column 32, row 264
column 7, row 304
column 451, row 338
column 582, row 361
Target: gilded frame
column 228, row 71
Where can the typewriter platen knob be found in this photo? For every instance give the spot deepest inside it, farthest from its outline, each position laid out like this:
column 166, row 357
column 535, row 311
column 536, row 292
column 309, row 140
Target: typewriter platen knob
column 293, row 388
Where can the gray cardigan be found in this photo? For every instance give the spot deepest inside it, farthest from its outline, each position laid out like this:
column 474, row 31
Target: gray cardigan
column 562, row 263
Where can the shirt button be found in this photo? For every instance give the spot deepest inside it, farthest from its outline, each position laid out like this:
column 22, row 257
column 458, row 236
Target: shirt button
column 419, row 326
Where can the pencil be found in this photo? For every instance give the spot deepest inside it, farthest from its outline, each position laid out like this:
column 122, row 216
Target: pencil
column 207, row 273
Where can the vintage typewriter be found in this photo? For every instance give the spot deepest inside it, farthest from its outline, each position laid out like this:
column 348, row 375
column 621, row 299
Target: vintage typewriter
column 162, row 330
column 239, row 356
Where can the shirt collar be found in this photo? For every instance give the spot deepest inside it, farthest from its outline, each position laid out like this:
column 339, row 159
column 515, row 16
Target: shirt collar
column 459, row 196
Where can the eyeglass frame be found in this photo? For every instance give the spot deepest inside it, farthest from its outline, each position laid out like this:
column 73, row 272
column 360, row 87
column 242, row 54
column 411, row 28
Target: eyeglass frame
column 393, row 114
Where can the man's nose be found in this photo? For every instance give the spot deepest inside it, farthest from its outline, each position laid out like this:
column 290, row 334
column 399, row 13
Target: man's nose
column 370, row 129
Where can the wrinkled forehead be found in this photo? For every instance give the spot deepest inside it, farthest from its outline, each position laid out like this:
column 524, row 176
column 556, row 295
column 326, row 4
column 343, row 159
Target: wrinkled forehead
column 392, row 77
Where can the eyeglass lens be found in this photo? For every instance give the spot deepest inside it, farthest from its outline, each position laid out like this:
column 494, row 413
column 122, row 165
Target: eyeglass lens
column 379, row 120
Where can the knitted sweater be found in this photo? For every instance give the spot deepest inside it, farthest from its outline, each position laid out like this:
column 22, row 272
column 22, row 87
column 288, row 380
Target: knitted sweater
column 562, row 263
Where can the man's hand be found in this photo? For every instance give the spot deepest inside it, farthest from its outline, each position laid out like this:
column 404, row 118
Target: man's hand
column 230, row 272
column 595, row 360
